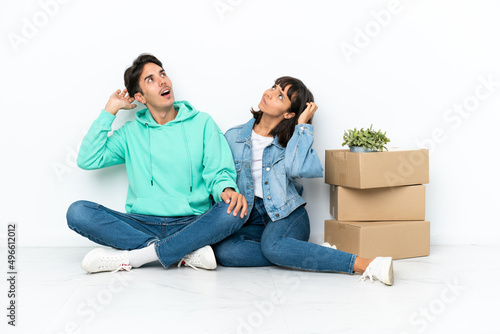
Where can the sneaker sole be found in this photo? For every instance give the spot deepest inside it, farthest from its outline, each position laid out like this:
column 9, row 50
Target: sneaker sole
column 390, row 279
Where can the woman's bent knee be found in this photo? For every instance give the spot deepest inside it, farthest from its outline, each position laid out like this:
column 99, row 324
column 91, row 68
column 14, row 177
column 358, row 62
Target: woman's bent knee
column 223, row 252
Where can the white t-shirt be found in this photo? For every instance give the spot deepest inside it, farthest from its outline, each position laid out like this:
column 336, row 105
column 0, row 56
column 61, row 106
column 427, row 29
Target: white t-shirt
column 259, row 143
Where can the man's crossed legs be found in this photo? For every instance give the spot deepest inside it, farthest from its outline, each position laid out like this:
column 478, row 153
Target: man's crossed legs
column 142, row 238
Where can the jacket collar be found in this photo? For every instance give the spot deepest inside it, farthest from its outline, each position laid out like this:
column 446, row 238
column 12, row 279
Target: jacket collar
column 246, row 134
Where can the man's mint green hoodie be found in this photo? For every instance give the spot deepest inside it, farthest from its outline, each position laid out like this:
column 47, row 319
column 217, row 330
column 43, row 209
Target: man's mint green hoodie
column 172, row 169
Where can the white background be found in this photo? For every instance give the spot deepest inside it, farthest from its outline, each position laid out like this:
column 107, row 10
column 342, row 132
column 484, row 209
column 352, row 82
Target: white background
column 403, row 71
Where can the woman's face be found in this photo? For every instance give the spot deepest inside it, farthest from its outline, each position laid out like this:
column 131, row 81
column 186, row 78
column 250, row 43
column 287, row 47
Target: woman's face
column 275, row 102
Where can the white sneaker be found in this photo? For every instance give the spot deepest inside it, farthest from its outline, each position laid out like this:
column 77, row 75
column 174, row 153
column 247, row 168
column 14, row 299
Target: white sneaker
column 202, row 258
column 101, row 259
column 327, row 244
column 380, row 269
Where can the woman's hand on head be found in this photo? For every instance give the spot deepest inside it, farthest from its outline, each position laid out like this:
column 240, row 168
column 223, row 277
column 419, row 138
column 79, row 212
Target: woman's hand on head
column 308, row 113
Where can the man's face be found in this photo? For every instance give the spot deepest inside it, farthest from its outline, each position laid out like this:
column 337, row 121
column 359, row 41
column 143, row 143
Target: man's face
column 156, row 88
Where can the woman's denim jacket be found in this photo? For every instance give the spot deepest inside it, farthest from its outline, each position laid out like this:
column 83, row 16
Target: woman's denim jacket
column 280, row 168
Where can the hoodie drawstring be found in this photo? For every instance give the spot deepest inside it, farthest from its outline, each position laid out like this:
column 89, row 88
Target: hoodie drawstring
column 189, row 158
column 150, row 158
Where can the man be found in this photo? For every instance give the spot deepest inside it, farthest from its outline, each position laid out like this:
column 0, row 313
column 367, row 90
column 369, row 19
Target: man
column 178, row 163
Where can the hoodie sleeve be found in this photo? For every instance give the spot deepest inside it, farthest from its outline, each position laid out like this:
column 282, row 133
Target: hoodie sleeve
column 219, row 171
column 97, row 149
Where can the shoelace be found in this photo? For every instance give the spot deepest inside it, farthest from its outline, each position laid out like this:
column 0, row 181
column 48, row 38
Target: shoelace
column 110, row 263
column 188, row 259
column 367, row 273
column 123, row 266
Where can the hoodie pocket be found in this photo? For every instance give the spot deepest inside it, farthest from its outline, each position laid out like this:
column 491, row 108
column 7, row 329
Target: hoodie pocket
column 166, row 206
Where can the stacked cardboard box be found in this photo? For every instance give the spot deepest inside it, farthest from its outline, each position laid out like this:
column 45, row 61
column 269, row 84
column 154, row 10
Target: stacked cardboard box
column 378, row 202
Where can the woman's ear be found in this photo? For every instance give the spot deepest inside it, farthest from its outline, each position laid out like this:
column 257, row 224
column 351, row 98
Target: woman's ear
column 289, row 115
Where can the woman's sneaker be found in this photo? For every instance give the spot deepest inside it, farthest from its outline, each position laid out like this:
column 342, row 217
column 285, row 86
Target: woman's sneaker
column 380, row 269
column 327, row 244
column 101, row 259
column 201, row 258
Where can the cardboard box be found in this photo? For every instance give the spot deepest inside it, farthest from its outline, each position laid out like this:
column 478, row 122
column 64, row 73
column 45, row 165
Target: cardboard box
column 377, row 169
column 378, row 204
column 399, row 239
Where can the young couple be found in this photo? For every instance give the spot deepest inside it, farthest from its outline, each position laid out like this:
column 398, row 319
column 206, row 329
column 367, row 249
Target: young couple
column 196, row 196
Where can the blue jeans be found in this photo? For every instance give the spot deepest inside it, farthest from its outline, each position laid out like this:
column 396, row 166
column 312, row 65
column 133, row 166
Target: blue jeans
column 262, row 242
column 173, row 237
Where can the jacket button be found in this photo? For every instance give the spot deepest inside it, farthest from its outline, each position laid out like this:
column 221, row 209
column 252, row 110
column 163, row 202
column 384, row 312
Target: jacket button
column 268, row 169
column 247, row 166
column 268, row 197
column 277, row 215
column 266, row 182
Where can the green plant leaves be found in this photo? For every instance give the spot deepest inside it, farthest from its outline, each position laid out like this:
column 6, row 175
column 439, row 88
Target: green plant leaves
column 366, row 138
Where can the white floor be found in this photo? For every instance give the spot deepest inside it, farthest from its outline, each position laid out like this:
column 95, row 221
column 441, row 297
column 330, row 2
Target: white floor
column 455, row 290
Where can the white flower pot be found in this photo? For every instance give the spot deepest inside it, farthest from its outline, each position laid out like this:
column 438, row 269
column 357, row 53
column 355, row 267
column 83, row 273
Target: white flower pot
column 360, row 149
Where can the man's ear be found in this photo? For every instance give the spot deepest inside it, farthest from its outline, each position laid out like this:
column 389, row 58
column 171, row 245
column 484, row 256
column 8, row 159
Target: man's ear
column 140, row 98
column 289, row 115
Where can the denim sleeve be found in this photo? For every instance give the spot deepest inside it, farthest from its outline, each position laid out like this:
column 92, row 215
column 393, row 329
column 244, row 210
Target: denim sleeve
column 301, row 160
column 97, row 149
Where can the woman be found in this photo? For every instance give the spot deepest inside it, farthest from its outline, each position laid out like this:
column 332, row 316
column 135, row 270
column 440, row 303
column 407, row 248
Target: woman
column 270, row 152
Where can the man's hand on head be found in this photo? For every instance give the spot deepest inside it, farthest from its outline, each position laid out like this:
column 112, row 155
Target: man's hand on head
column 236, row 201
column 119, row 100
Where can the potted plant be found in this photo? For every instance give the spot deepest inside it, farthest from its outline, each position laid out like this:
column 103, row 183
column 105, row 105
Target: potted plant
column 367, row 140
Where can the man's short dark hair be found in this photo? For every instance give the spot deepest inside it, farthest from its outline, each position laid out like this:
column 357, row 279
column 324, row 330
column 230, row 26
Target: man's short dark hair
column 133, row 73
